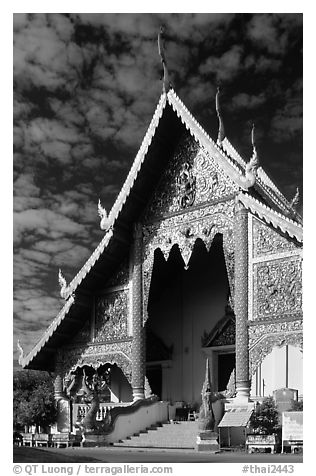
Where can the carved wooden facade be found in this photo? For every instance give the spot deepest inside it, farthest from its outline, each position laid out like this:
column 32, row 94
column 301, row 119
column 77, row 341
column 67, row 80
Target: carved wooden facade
column 200, row 194
column 275, row 297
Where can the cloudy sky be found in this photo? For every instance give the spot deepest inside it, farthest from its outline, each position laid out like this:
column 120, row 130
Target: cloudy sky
column 85, row 88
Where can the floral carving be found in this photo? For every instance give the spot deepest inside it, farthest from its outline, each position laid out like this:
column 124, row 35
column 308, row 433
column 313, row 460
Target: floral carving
column 268, row 241
column 186, row 184
column 258, row 330
column 118, row 353
column 263, row 337
column 192, row 177
column 277, row 288
column 111, row 316
column 225, row 337
column 184, row 230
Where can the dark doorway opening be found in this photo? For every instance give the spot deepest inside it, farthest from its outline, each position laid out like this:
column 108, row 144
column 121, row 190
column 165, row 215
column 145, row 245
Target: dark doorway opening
column 154, row 375
column 226, row 364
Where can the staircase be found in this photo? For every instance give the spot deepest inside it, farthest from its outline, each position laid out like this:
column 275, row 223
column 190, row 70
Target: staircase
column 181, row 434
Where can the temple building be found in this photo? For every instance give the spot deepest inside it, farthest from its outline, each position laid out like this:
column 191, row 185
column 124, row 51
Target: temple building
column 201, row 259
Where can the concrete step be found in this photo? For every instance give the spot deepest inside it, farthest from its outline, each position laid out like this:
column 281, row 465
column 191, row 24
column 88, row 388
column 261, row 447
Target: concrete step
column 170, row 435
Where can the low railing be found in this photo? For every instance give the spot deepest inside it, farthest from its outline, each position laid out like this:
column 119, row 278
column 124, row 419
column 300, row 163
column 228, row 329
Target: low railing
column 80, row 410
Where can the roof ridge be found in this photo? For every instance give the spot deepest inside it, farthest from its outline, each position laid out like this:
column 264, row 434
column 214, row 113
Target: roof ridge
column 264, row 179
column 226, row 141
column 122, row 196
column 248, row 200
column 171, row 94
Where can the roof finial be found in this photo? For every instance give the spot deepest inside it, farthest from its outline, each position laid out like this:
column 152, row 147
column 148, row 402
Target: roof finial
column 221, row 131
column 254, row 153
column 62, row 283
column 252, row 166
column 104, row 223
column 161, row 51
column 296, row 199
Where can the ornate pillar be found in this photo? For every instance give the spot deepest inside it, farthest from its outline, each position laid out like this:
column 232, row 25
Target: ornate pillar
column 58, row 382
column 64, row 423
column 138, row 343
column 241, row 301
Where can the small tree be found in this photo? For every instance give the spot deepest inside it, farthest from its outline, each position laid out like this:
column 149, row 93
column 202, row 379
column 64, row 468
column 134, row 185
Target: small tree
column 265, row 419
column 33, row 400
column 297, row 406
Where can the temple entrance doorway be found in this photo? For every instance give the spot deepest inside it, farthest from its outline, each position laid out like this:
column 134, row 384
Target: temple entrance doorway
column 225, row 366
column 183, row 307
column 154, row 375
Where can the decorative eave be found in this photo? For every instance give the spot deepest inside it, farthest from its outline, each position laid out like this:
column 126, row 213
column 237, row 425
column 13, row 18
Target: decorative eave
column 232, row 152
column 205, row 141
column 48, row 333
column 200, row 136
column 270, row 216
column 222, row 156
column 263, row 181
column 88, row 264
column 121, row 198
column 139, row 159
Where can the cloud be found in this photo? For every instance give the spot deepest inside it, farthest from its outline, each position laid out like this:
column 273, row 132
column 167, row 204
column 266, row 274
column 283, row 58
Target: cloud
column 247, row 101
column 224, row 67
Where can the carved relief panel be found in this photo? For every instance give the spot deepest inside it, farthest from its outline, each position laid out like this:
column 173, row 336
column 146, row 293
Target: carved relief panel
column 277, row 288
column 267, row 241
column 263, row 337
column 95, row 355
column 192, row 178
column 183, row 230
column 111, row 313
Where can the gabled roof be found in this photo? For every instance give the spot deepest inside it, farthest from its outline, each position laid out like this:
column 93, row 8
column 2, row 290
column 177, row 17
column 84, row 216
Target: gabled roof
column 24, row 361
column 270, row 216
column 226, row 157
column 263, row 182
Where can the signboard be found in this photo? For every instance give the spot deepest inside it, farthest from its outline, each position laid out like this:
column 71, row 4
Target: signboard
column 284, row 398
column 261, row 440
column 292, row 427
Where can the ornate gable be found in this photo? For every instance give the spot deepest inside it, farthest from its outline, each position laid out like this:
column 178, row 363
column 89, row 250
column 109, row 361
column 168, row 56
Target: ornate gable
column 192, row 178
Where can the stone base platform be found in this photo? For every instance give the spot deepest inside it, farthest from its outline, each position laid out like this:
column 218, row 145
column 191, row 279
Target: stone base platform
column 207, row 441
column 94, row 439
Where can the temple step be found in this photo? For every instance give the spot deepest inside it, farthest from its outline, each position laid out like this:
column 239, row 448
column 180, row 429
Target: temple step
column 169, row 435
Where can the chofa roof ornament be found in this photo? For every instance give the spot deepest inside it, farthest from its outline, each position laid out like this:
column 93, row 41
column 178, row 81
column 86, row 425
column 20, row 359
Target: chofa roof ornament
column 104, row 222
column 296, row 199
column 161, row 51
column 62, row 283
column 221, row 130
column 252, row 166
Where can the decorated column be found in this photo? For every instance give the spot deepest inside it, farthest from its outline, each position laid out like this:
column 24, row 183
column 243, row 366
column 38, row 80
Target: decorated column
column 58, row 381
column 63, row 403
column 241, row 301
column 138, row 344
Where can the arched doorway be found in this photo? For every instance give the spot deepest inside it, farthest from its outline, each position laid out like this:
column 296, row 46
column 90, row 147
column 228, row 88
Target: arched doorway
column 183, row 305
column 115, row 386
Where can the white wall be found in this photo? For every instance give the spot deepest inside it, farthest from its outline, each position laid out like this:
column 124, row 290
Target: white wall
column 272, row 372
